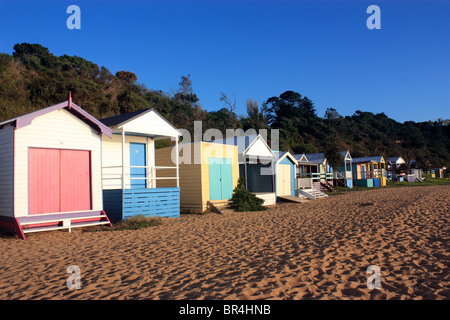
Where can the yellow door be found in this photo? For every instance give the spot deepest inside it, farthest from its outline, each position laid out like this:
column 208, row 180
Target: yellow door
column 284, row 180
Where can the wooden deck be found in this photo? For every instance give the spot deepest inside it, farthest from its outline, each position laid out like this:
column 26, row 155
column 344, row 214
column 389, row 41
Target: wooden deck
column 55, row 221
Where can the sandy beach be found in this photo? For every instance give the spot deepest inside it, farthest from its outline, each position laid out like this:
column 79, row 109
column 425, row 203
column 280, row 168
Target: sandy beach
column 315, row 250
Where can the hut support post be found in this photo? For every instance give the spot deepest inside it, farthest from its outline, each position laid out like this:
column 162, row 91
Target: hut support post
column 123, row 158
column 176, row 162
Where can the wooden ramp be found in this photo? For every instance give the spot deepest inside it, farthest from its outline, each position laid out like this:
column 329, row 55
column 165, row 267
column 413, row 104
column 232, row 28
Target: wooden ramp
column 220, row 206
column 293, row 199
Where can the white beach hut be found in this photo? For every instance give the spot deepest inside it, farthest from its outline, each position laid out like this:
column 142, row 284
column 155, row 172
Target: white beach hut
column 129, row 172
column 50, row 170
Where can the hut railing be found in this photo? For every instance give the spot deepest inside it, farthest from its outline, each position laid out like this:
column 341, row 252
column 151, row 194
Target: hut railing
column 304, row 183
column 315, row 176
column 115, row 174
column 342, row 175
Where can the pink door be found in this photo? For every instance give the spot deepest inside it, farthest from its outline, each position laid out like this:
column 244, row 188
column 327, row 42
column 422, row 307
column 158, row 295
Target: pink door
column 75, row 180
column 43, row 180
column 58, row 180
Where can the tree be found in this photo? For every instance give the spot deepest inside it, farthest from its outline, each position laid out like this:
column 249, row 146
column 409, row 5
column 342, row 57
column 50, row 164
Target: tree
column 255, row 119
column 331, row 114
column 127, row 77
column 222, row 119
column 333, row 152
column 24, row 50
column 32, row 78
column 231, row 104
column 185, row 93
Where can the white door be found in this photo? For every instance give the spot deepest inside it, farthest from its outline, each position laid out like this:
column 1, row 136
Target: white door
column 284, row 180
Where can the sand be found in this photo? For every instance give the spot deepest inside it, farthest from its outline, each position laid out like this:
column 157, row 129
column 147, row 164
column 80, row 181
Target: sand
column 316, row 250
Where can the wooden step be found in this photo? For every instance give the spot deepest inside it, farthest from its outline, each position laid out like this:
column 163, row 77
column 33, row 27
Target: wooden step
column 26, row 223
column 328, row 186
column 312, row 194
column 220, row 206
column 55, row 217
column 221, row 203
column 73, row 225
column 60, row 221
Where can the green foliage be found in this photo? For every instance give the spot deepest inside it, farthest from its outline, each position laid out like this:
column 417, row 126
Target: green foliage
column 244, row 200
column 33, row 78
column 133, row 223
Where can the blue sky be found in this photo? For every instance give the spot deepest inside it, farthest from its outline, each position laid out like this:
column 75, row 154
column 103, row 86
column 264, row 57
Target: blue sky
column 259, row 49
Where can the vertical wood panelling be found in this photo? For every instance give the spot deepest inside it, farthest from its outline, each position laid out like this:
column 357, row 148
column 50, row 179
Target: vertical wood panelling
column 112, row 157
column 44, row 186
column 194, row 177
column 75, row 180
column 59, row 130
column 7, row 171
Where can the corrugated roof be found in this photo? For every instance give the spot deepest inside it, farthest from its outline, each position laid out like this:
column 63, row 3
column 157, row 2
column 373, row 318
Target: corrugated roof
column 298, row 156
column 395, row 159
column 316, row 157
column 368, row 159
column 280, row 154
column 121, row 118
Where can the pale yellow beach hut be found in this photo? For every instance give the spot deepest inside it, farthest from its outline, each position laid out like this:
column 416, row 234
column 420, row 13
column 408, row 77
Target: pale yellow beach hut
column 208, row 172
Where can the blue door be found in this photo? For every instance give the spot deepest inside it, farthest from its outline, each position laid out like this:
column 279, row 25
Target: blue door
column 137, row 158
column 363, row 172
column 220, row 179
column 215, row 184
column 226, row 171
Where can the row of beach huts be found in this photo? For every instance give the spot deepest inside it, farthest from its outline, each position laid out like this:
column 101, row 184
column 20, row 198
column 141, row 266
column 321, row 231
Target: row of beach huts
column 61, row 168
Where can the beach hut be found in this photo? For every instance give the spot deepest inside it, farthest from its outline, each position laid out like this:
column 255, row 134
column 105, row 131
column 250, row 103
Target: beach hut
column 437, row 171
column 130, row 173
column 369, row 171
column 255, row 160
column 285, row 174
column 50, row 170
column 344, row 173
column 392, row 165
column 414, row 175
column 304, row 171
column 208, row 173
column 314, row 167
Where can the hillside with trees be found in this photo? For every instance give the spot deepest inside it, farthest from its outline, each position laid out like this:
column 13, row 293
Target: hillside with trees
column 32, row 78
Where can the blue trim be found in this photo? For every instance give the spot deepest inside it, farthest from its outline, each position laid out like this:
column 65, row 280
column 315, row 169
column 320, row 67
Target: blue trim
column 363, row 182
column 292, row 180
column 156, row 202
column 160, row 202
column 138, row 158
column 350, row 183
column 376, row 182
column 275, row 180
column 288, row 162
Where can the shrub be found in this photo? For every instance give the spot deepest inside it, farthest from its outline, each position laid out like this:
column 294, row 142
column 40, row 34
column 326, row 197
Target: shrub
column 139, row 221
column 132, row 223
column 244, row 200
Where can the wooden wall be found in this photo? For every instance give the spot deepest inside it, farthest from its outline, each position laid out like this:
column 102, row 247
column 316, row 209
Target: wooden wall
column 190, row 176
column 59, row 130
column 7, row 170
column 112, row 157
column 194, row 171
